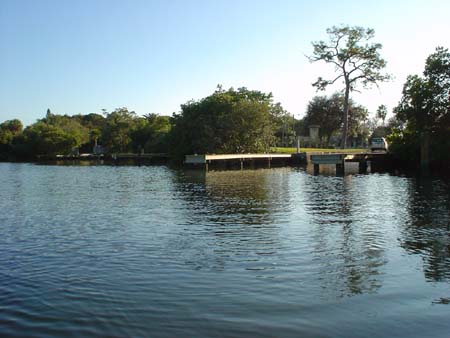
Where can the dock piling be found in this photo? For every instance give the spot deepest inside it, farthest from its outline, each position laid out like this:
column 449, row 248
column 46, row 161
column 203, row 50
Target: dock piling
column 363, row 166
column 340, row 169
column 316, row 169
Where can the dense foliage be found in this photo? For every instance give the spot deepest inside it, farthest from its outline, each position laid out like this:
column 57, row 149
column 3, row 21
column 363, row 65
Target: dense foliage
column 228, row 121
column 9, row 132
column 118, row 131
column 425, row 108
column 327, row 113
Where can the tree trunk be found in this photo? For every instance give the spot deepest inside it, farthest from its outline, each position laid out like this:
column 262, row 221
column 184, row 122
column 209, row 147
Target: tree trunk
column 345, row 129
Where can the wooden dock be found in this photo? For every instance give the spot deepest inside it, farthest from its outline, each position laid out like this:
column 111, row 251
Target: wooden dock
column 241, row 161
column 237, row 160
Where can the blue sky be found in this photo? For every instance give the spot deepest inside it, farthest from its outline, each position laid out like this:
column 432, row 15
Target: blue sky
column 151, row 56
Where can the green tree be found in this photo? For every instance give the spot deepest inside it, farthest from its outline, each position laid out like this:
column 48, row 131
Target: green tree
column 425, row 107
column 385, row 130
column 425, row 102
column 355, row 61
column 46, row 139
column 92, row 121
column 382, row 113
column 228, row 121
column 358, row 128
column 9, row 131
column 94, row 135
column 52, row 135
column 154, row 134
column 286, row 133
column 119, row 126
column 327, row 113
column 94, row 124
column 70, row 125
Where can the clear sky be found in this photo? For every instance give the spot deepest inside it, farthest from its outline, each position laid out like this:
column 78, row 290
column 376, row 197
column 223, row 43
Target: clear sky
column 151, row 56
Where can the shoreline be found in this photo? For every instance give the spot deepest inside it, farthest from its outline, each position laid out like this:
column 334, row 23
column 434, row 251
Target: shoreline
column 438, row 169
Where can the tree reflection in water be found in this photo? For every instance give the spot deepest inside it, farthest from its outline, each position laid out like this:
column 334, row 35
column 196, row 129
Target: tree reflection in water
column 234, row 212
column 348, row 246
column 427, row 229
column 335, row 231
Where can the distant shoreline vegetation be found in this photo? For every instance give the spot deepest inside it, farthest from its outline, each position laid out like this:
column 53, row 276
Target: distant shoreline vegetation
column 227, row 121
column 247, row 121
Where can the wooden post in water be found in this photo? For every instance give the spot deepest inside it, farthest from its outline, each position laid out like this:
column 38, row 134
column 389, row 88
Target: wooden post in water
column 340, row 168
column 363, row 166
column 269, row 162
column 242, row 164
column 316, row 169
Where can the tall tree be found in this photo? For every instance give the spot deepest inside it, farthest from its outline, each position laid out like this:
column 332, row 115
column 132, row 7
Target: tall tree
column 356, row 61
column 382, row 113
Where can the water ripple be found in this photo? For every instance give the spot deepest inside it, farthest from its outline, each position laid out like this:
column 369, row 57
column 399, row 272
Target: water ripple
column 139, row 251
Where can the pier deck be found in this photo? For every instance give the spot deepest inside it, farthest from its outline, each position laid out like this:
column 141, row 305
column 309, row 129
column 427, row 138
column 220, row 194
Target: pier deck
column 203, row 159
column 237, row 160
column 267, row 160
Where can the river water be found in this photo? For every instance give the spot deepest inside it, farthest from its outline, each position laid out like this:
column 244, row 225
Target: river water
column 101, row 251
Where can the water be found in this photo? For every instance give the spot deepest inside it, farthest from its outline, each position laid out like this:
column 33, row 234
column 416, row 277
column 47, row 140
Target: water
column 155, row 252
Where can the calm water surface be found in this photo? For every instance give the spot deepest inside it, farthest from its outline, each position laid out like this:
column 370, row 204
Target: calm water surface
column 155, row 252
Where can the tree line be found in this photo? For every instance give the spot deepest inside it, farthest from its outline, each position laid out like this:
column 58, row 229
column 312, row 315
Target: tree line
column 227, row 121
column 247, row 121
column 118, row 131
column 232, row 121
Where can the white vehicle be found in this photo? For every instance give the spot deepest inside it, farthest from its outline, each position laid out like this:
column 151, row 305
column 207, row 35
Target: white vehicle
column 378, row 143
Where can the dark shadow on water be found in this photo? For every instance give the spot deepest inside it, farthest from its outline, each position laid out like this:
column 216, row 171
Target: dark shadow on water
column 427, row 229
